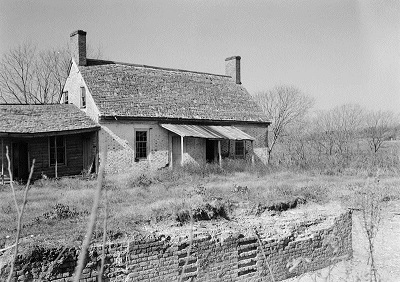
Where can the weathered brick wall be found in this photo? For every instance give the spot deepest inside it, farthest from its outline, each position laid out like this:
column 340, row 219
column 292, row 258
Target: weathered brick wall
column 236, row 257
column 194, row 150
column 119, row 138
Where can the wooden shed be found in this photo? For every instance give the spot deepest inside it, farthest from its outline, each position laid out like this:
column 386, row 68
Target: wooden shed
column 61, row 139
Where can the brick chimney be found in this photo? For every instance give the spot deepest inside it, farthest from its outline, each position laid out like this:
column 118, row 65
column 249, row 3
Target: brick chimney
column 232, row 68
column 78, row 47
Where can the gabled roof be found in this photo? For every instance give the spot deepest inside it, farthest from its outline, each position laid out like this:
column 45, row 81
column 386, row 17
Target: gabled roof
column 139, row 91
column 33, row 119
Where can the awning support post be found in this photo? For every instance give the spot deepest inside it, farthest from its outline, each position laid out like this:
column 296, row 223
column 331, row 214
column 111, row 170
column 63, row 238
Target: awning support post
column 181, row 150
column 252, row 153
column 219, row 153
column 2, row 161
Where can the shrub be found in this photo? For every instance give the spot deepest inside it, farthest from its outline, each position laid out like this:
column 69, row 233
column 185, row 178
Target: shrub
column 314, row 193
column 142, row 180
column 61, row 211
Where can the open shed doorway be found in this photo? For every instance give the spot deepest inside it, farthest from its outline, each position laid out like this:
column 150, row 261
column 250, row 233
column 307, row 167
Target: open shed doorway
column 20, row 161
column 211, row 150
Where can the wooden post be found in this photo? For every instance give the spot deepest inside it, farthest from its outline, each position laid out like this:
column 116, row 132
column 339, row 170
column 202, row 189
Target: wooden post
column 2, row 161
column 219, row 153
column 181, row 150
column 244, row 149
column 252, row 153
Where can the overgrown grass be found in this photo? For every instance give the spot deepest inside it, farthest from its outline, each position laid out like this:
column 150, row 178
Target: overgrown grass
column 57, row 210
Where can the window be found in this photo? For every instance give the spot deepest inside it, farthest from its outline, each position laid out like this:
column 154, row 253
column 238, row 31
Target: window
column 239, row 148
column 65, row 97
column 141, row 144
column 57, row 150
column 83, row 97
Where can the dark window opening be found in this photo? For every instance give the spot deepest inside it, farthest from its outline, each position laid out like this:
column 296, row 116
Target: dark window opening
column 65, row 97
column 211, row 150
column 57, row 150
column 83, row 97
column 141, row 144
column 239, row 148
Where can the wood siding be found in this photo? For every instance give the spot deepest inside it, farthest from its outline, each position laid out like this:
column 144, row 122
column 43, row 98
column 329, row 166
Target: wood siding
column 38, row 149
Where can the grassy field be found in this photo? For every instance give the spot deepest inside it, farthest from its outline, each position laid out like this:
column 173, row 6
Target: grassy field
column 57, row 210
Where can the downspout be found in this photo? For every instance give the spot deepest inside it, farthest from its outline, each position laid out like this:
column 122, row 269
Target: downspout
column 2, row 161
column 181, row 150
column 55, row 156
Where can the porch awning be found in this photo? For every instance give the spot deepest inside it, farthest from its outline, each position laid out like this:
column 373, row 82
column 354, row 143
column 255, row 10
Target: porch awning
column 208, row 131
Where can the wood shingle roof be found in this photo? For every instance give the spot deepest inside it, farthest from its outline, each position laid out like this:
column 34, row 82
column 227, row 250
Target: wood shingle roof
column 128, row 90
column 32, row 119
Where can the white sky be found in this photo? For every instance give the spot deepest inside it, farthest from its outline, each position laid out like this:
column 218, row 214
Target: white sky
column 338, row 51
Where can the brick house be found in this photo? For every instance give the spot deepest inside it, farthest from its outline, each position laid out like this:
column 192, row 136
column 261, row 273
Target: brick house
column 157, row 117
column 61, row 139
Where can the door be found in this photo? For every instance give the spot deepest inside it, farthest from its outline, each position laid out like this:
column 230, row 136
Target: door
column 20, row 162
column 176, row 151
column 211, row 150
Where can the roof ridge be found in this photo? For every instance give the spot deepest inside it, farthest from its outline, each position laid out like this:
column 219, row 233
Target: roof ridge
column 159, row 68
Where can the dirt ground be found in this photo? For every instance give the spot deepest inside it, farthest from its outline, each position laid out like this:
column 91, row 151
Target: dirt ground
column 387, row 245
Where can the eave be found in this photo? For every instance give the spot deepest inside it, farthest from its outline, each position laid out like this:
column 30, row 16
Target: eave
column 184, row 121
column 47, row 133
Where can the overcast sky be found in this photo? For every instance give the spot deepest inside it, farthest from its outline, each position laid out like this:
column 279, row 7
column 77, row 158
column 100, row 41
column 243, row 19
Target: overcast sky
column 338, row 51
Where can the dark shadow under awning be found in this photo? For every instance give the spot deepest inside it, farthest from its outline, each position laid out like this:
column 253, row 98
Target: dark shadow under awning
column 208, row 131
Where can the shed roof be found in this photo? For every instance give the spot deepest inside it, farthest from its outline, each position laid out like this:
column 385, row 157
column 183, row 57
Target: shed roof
column 28, row 119
column 129, row 90
column 208, row 131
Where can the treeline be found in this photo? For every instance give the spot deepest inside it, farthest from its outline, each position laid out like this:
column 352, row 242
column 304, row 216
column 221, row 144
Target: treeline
column 342, row 138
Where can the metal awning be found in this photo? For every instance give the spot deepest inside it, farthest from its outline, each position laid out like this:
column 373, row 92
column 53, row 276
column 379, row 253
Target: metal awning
column 208, row 131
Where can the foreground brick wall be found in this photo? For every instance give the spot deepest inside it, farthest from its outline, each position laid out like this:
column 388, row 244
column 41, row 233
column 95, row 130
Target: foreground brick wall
column 211, row 258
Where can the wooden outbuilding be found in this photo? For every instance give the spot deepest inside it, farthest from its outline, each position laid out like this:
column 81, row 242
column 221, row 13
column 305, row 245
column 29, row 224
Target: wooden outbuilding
column 61, row 138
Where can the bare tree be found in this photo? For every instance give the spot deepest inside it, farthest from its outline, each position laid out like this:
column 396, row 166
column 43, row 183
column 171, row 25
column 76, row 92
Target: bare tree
column 336, row 130
column 380, row 126
column 29, row 76
column 285, row 106
column 17, row 72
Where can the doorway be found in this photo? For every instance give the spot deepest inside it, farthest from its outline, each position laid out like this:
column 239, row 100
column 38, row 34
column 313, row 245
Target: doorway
column 20, row 161
column 211, row 150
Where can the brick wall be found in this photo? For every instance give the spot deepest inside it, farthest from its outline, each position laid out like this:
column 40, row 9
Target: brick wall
column 236, row 257
column 119, row 138
column 194, row 150
column 120, row 141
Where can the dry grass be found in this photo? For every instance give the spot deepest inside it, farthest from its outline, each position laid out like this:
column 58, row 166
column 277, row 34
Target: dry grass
column 58, row 210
